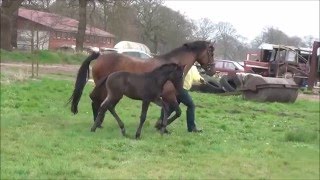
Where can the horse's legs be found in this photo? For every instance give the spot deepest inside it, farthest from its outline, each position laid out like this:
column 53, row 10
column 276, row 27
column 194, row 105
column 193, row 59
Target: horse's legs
column 95, row 109
column 143, row 115
column 115, row 115
column 165, row 109
column 177, row 109
column 172, row 107
column 101, row 112
column 111, row 108
column 97, row 96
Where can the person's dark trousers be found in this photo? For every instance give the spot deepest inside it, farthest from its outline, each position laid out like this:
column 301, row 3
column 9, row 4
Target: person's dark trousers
column 184, row 97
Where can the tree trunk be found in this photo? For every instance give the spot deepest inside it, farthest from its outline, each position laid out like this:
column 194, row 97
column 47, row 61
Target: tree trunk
column 155, row 44
column 8, row 8
column 82, row 24
column 14, row 30
column 105, row 16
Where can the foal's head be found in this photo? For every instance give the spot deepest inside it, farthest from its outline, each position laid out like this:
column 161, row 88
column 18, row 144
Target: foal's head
column 204, row 51
column 174, row 73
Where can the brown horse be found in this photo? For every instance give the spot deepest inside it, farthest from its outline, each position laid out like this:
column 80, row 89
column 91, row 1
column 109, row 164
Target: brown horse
column 186, row 55
column 146, row 87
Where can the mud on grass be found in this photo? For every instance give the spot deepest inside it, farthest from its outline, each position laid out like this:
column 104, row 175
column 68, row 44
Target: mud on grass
column 40, row 138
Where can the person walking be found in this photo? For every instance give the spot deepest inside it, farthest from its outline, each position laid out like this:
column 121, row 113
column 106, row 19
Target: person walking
column 184, row 97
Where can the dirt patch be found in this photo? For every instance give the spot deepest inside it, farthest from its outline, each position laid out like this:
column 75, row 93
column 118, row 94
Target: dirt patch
column 21, row 71
column 43, row 68
column 311, row 97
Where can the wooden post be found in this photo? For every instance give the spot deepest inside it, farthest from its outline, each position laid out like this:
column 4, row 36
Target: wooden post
column 32, row 51
column 313, row 66
column 37, row 60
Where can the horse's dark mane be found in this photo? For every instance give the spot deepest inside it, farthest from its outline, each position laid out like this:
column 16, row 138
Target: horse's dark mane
column 196, row 47
column 165, row 66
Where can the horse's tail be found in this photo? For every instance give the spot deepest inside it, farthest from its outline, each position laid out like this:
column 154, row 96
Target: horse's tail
column 82, row 77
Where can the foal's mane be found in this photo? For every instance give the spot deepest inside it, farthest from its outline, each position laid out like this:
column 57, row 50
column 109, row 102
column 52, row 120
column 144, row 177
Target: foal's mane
column 196, row 47
column 165, row 66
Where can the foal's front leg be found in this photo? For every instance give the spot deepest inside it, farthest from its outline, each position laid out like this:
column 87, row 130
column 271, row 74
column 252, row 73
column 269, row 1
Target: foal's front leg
column 143, row 115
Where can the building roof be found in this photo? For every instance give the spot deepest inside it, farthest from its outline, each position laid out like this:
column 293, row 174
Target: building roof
column 58, row 22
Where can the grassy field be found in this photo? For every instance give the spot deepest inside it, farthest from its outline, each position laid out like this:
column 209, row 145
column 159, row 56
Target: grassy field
column 44, row 56
column 41, row 139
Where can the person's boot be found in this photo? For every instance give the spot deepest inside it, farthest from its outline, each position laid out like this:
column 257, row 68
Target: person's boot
column 196, row 130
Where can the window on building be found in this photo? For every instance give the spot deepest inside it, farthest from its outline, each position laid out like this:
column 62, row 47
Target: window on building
column 63, row 35
column 54, row 35
column 59, row 35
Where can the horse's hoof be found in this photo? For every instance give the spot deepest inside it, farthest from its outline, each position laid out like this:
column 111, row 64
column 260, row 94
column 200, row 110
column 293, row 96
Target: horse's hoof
column 137, row 136
column 123, row 131
column 93, row 129
column 100, row 126
column 158, row 126
column 166, row 131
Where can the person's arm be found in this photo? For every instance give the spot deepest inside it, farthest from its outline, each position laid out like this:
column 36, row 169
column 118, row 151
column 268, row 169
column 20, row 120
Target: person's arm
column 196, row 76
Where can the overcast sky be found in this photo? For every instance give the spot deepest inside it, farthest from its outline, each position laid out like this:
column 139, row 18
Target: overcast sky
column 295, row 18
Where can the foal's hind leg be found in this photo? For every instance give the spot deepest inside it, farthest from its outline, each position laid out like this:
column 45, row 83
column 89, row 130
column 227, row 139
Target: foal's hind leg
column 101, row 112
column 143, row 115
column 120, row 123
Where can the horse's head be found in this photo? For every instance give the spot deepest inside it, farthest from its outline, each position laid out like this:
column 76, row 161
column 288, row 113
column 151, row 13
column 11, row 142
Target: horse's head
column 204, row 51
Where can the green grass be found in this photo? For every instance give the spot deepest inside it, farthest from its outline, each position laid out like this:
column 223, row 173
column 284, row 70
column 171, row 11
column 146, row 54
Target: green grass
column 44, row 56
column 41, row 139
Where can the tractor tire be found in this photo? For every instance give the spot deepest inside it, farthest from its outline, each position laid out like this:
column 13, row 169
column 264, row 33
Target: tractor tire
column 288, row 75
column 212, row 86
column 230, row 83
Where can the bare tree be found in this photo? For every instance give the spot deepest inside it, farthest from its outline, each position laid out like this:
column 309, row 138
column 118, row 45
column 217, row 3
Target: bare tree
column 82, row 24
column 229, row 43
column 147, row 11
column 308, row 41
column 271, row 35
column 205, row 29
column 275, row 36
column 8, row 9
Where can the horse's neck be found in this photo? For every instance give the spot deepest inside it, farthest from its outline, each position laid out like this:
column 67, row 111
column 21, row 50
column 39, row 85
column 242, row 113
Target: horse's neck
column 182, row 58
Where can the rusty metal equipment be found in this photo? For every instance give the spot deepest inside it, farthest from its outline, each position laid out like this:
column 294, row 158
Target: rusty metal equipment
column 269, row 89
column 315, row 65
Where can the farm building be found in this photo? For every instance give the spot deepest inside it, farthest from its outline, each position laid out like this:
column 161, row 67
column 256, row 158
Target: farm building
column 52, row 31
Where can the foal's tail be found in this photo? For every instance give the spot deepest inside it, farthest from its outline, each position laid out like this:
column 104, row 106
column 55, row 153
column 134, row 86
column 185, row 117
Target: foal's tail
column 82, row 77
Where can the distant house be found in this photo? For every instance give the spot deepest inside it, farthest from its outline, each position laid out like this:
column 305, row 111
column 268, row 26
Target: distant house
column 52, row 31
